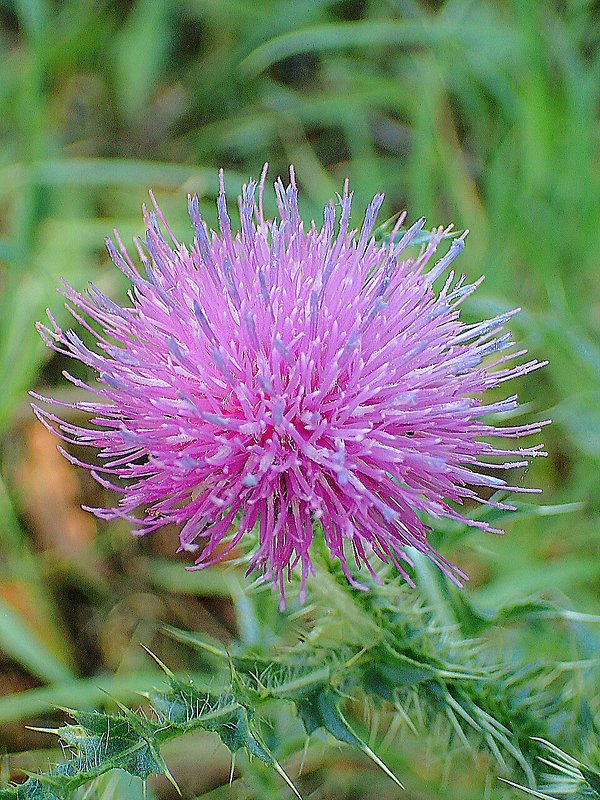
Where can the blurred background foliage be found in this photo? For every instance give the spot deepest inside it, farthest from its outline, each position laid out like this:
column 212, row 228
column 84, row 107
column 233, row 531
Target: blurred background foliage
column 479, row 112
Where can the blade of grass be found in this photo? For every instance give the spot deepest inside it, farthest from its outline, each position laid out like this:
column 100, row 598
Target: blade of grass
column 341, row 35
column 83, row 693
column 171, row 576
column 23, row 568
column 20, row 643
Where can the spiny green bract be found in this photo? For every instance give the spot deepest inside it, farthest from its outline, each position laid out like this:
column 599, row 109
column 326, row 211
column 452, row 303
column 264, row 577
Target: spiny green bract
column 569, row 777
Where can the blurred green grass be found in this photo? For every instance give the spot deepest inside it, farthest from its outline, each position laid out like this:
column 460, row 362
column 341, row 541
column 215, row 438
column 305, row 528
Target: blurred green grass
column 483, row 113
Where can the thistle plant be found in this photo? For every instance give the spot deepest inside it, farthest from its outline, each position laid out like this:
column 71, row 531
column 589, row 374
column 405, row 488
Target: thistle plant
column 294, row 398
column 382, row 650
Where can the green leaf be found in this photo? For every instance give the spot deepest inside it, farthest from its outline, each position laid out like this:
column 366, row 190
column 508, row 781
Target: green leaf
column 80, row 172
column 340, row 35
column 321, row 710
column 593, row 779
column 169, row 576
column 124, row 741
column 383, row 678
column 20, row 642
column 140, row 53
column 84, row 692
column 579, row 415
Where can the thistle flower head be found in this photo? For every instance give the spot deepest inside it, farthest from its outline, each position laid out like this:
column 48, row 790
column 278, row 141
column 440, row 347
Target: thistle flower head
column 293, row 381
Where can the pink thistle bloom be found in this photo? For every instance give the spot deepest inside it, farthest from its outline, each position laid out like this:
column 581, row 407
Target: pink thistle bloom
column 293, row 382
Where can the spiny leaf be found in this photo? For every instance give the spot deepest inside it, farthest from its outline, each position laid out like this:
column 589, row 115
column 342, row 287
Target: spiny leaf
column 285, row 680
column 593, row 779
column 321, row 710
column 184, row 708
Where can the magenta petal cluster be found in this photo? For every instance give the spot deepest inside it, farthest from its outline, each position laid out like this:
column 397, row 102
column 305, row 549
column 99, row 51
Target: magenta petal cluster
column 291, row 382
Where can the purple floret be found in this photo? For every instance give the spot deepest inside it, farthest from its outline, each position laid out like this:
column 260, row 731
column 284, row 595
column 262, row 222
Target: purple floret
column 293, row 382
